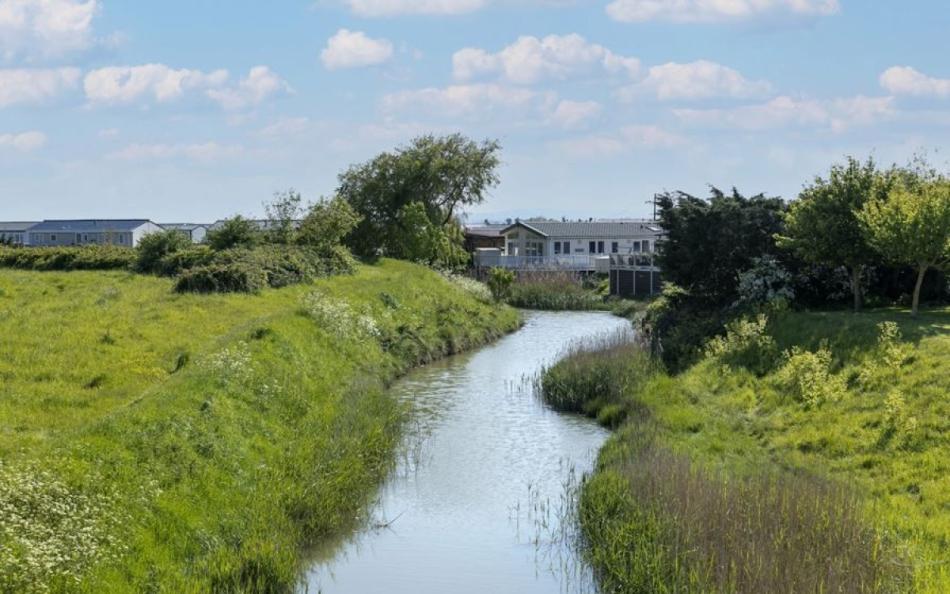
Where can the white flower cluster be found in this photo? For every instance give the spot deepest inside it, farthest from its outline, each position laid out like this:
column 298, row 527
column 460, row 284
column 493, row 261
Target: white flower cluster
column 476, row 289
column 50, row 533
column 231, row 365
column 338, row 318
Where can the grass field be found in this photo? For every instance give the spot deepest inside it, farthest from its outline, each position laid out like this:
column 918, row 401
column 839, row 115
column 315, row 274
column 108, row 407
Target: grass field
column 160, row 442
column 862, row 437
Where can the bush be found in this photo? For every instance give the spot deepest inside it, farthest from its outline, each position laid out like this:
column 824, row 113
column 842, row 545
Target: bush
column 230, row 277
column 499, row 283
column 191, row 257
column 746, row 344
column 807, row 377
column 154, row 247
column 234, row 232
column 89, row 257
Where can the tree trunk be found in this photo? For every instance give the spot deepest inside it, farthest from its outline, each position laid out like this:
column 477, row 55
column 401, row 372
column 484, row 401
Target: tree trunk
column 856, row 286
column 921, row 272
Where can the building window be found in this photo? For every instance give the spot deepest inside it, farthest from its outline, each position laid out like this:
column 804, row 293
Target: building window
column 646, row 245
column 533, row 248
column 614, row 247
column 557, row 248
column 636, row 246
column 600, row 247
column 592, row 247
column 52, row 238
column 567, row 247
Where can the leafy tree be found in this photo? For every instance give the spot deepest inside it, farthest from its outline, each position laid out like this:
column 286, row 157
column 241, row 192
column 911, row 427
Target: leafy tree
column 283, row 213
column 822, row 226
column 708, row 243
column 326, row 223
column 499, row 283
column 234, row 232
column 155, row 246
column 435, row 177
column 911, row 225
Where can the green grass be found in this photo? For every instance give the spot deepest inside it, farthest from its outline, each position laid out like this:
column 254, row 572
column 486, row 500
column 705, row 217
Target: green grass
column 152, row 441
column 884, row 439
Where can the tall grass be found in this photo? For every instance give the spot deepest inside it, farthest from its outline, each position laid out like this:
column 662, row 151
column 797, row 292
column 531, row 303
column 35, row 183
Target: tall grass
column 553, row 290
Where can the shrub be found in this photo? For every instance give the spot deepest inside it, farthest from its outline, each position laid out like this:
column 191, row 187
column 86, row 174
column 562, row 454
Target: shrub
column 234, row 232
column 499, row 283
column 154, row 247
column 766, row 282
column 808, row 378
column 231, row 277
column 89, row 257
column 185, row 259
column 746, row 344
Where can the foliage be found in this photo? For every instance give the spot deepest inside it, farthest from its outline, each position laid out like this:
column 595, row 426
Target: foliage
column 553, row 290
column 155, row 247
column 766, row 283
column 90, row 257
column 911, row 225
column 209, row 476
column 746, row 344
column 283, row 213
column 440, row 175
column 708, row 242
column 176, row 262
column 326, row 224
column 808, row 378
column 337, row 317
column 822, row 225
column 499, row 282
column 234, row 232
column 473, row 287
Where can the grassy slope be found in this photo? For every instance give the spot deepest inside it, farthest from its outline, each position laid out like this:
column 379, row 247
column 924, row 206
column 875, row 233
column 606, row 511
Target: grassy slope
column 732, row 420
column 273, row 433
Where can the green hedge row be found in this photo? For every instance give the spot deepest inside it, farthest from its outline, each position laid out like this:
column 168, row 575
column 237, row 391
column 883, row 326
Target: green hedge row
column 89, row 257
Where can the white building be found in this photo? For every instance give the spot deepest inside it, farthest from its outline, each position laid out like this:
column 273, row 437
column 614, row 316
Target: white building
column 193, row 231
column 16, row 233
column 120, row 232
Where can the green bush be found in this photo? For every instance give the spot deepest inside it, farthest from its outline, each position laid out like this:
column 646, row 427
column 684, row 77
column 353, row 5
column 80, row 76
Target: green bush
column 499, row 283
column 179, row 261
column 154, row 247
column 746, row 344
column 89, row 257
column 807, row 377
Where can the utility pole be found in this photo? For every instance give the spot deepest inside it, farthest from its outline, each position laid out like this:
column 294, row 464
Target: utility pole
column 655, row 196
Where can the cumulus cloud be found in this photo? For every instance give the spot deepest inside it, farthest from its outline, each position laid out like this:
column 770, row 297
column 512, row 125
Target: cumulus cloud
column 573, row 114
column 260, row 84
column 25, row 85
column 904, row 80
column 45, row 28
column 713, row 11
column 696, row 80
column 530, row 59
column 202, row 152
column 354, row 49
column 457, row 100
column 387, row 8
column 160, row 83
column 782, row 112
column 23, row 142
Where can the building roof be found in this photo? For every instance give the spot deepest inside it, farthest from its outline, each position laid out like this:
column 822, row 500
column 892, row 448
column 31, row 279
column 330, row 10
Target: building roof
column 485, row 230
column 589, row 229
column 90, row 225
column 15, row 226
column 182, row 226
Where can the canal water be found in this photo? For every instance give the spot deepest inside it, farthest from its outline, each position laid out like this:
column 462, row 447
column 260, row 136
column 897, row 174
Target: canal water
column 479, row 500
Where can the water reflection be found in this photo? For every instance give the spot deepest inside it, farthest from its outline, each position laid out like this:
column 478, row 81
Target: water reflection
column 482, row 497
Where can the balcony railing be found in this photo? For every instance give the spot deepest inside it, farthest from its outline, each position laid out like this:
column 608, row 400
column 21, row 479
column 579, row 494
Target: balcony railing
column 581, row 262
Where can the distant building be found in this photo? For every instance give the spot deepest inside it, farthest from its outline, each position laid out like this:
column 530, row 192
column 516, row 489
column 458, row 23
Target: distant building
column 484, row 236
column 121, row 232
column 16, row 233
column 194, row 231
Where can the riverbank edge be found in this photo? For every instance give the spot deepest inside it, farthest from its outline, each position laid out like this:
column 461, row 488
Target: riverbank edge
column 612, row 389
column 219, row 478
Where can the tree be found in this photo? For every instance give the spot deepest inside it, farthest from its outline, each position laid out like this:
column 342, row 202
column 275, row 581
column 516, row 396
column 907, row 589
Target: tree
column 283, row 213
column 911, row 225
column 442, row 175
column 326, row 223
column 822, row 226
column 708, row 243
column 234, row 232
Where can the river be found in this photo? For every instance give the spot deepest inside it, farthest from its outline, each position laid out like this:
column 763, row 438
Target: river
column 477, row 501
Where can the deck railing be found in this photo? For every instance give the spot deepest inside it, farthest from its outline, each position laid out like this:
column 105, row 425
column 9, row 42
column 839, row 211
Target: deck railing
column 582, row 262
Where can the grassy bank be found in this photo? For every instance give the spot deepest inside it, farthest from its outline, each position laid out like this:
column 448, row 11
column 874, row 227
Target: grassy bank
column 152, row 441
column 807, row 453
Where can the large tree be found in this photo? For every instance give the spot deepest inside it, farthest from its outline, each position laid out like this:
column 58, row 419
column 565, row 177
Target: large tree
column 822, row 226
column 708, row 243
column 435, row 176
column 911, row 225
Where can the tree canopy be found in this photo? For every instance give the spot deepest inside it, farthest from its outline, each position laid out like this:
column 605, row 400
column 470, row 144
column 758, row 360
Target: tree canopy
column 436, row 177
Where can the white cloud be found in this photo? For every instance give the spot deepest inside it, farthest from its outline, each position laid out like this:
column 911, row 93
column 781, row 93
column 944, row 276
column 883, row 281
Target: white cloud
column 160, row 83
column 696, row 80
column 260, row 84
column 45, row 28
column 458, row 100
column 35, row 85
column 126, row 84
column 573, row 114
column 530, row 59
column 635, row 137
column 782, row 112
column 904, row 80
column 23, row 142
column 354, row 49
column 713, row 11
column 386, row 8
column 203, row 152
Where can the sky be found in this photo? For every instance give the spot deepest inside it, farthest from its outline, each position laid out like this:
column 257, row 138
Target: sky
column 196, row 110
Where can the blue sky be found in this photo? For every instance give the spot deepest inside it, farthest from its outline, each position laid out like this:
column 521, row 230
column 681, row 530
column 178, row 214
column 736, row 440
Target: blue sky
column 191, row 111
